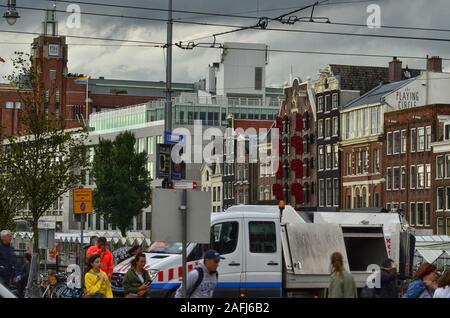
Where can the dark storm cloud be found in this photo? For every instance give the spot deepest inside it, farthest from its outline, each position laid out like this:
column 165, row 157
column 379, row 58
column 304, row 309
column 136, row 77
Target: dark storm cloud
column 148, row 63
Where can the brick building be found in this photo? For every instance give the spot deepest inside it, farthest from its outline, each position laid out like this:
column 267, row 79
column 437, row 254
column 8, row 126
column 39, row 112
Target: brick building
column 410, row 166
column 441, row 177
column 336, row 86
column 296, row 123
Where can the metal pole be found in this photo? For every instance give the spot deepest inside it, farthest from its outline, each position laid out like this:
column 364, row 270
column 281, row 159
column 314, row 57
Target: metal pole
column 183, row 210
column 168, row 109
column 81, row 249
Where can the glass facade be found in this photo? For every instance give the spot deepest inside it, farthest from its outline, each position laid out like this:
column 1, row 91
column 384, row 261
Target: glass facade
column 212, row 113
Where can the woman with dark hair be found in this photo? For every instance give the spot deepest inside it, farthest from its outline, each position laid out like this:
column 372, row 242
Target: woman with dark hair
column 424, row 283
column 342, row 284
column 443, row 290
column 136, row 283
column 96, row 281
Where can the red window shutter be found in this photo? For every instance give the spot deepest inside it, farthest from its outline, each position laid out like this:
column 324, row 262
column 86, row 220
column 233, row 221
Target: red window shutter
column 280, row 171
column 277, row 190
column 298, row 122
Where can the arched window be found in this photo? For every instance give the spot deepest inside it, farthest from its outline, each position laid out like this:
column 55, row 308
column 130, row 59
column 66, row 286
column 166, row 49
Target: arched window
column 357, row 202
column 364, row 198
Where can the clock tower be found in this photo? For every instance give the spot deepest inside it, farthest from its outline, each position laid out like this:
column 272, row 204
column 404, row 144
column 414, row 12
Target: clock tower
column 49, row 52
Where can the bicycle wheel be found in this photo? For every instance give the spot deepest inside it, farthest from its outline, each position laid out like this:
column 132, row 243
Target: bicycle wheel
column 56, row 292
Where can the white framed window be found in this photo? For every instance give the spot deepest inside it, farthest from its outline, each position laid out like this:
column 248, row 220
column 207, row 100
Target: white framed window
column 403, row 178
column 428, row 176
column 336, row 189
column 335, row 157
column 413, row 177
column 321, row 164
column 335, row 126
column 321, row 192
column 440, row 228
column 440, row 198
column 335, row 101
column 376, row 160
column 348, row 164
column 412, row 213
column 420, row 176
column 320, row 129
column 320, row 104
column 327, row 127
column 9, row 105
column 427, row 214
column 404, row 140
column 396, row 142
column 388, row 179
column 327, row 103
column 389, row 143
column 329, row 192
column 413, row 140
column 446, row 131
column 396, row 178
column 420, row 213
column 428, row 138
column 420, row 139
column 440, row 170
column 329, row 158
column 375, row 120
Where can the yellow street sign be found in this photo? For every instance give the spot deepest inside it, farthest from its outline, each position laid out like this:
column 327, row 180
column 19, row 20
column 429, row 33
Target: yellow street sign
column 82, row 201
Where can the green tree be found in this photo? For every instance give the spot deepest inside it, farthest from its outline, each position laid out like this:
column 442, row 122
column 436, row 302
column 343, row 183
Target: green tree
column 123, row 185
column 43, row 159
column 11, row 201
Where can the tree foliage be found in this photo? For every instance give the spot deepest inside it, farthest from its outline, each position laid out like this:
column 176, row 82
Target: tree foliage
column 44, row 159
column 123, row 185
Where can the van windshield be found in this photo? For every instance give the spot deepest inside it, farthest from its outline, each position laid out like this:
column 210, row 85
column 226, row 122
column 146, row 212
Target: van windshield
column 165, row 248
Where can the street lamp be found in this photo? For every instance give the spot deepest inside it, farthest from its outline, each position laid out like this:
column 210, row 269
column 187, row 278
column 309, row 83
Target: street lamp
column 11, row 15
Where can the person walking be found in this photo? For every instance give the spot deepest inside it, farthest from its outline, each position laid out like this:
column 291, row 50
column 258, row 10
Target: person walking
column 202, row 281
column 443, row 290
column 107, row 259
column 424, row 283
column 342, row 283
column 388, row 280
column 96, row 281
column 24, row 273
column 136, row 282
column 7, row 258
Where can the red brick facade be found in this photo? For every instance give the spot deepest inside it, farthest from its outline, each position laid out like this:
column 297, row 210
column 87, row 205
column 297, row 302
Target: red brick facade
column 409, row 165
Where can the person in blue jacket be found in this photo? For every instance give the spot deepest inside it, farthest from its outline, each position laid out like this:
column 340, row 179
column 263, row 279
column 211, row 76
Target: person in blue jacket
column 424, row 283
column 7, row 258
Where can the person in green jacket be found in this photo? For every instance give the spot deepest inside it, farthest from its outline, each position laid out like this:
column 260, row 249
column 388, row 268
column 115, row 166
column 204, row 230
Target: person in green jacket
column 136, row 282
column 342, row 284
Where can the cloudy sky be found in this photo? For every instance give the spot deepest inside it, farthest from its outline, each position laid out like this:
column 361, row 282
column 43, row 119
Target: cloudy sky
column 144, row 63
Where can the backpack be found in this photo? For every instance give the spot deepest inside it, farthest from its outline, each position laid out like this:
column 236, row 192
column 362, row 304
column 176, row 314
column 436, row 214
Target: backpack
column 199, row 280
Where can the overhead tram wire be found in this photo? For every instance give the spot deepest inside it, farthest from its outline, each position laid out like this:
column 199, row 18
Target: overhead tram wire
column 234, row 15
column 266, row 29
column 148, row 43
column 210, row 14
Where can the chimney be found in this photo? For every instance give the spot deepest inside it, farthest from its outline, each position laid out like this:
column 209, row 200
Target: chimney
column 395, row 70
column 434, row 64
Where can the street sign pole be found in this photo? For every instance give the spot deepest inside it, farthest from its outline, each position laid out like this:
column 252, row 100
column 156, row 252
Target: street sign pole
column 81, row 249
column 183, row 210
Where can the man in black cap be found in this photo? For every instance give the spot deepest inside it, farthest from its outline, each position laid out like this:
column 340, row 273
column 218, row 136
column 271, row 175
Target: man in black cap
column 202, row 281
